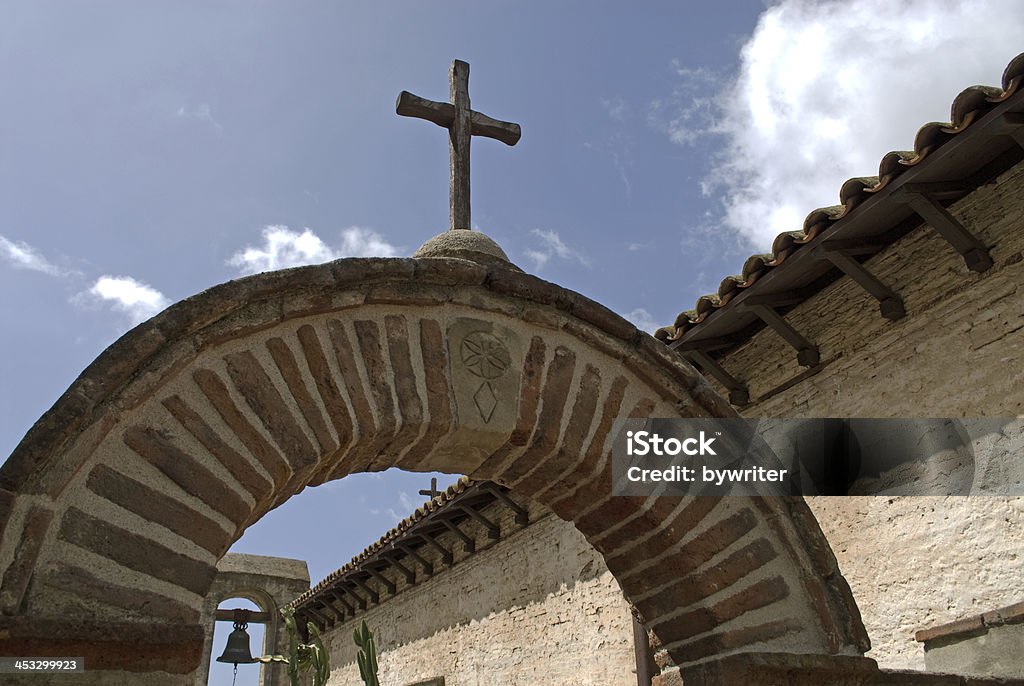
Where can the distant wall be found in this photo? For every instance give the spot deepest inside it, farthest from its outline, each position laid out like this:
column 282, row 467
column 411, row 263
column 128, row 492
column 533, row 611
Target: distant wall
column 539, row 607
column 959, row 352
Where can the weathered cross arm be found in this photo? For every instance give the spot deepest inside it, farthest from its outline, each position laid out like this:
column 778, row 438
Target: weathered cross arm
column 443, row 114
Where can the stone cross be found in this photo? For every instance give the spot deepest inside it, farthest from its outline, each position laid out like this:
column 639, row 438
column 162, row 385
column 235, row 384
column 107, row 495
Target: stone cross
column 433, row 492
column 462, row 123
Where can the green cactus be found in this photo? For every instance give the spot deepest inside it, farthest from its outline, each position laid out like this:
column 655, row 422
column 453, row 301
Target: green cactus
column 367, row 656
column 302, row 656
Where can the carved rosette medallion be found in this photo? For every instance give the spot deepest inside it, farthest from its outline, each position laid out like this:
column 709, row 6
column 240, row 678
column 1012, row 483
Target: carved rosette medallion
column 484, row 356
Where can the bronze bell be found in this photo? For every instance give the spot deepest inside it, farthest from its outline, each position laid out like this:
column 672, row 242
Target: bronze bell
column 237, row 651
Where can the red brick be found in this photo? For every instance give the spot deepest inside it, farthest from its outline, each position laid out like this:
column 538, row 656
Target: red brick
column 17, row 576
column 135, row 552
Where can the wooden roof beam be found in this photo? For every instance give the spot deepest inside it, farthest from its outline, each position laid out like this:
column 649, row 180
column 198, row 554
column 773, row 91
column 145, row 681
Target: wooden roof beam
column 493, row 530
column 374, row 596
column 360, row 601
column 468, row 544
column 386, row 582
column 738, row 393
column 427, row 567
column 522, row 517
column 340, row 597
column 889, row 302
column 446, row 555
column 806, row 352
column 971, row 249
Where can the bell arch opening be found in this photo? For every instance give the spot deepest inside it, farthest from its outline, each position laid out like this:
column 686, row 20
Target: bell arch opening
column 119, row 503
column 255, row 642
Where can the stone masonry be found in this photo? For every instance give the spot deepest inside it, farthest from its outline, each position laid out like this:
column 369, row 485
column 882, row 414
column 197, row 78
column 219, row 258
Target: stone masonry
column 916, row 561
column 538, row 606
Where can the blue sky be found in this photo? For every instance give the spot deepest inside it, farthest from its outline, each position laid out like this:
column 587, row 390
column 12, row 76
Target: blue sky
column 151, row 150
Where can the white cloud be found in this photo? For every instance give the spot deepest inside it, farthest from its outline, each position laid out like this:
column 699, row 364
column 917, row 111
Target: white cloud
column 284, row 248
column 825, row 89
column 617, row 108
column 552, row 245
column 644, row 320
column 21, row 255
column 124, row 294
column 201, row 113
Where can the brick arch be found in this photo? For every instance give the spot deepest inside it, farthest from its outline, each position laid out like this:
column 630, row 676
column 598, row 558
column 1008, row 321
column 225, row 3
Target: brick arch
column 119, row 502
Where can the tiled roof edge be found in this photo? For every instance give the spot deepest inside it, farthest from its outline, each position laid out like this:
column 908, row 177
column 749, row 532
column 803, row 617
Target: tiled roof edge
column 967, row 107
column 437, row 503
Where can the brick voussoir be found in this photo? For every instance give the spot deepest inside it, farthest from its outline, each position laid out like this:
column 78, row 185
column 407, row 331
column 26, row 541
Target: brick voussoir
column 529, row 401
column 697, row 551
column 158, row 508
column 719, row 643
column 72, row 579
column 655, row 519
column 580, row 418
column 258, row 486
column 410, row 405
column 254, row 384
column 549, row 421
column 693, row 587
column 323, row 378
column 434, row 358
column 16, row 577
column 187, row 472
column 368, row 443
column 287, row 365
column 695, row 622
column 216, row 392
column 135, row 552
column 609, row 511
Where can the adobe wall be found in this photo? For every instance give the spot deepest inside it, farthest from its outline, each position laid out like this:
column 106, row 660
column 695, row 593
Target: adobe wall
column 538, row 607
column 916, row 562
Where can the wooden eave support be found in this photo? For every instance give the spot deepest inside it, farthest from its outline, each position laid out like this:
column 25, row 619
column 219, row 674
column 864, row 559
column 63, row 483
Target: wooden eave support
column 806, row 352
column 468, row 544
column 427, row 567
column 410, row 576
column 340, row 597
column 1015, row 121
column 386, row 582
column 738, row 393
column 522, row 517
column 973, row 251
column 360, row 600
column 374, row 596
column 446, row 555
column 321, row 620
column 340, row 615
column 493, row 530
column 889, row 303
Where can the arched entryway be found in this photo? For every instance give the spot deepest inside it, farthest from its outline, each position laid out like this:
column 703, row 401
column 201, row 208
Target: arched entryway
column 118, row 504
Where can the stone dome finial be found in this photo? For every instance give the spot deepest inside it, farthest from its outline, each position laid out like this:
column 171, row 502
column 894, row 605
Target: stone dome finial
column 468, row 245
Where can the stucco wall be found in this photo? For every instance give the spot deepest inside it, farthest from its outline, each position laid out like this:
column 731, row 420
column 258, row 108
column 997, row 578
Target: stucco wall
column 916, row 562
column 539, row 607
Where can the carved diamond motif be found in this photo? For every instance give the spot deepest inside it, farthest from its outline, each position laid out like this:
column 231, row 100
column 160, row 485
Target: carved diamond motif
column 485, row 401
